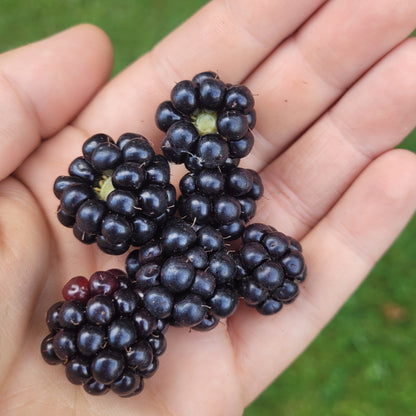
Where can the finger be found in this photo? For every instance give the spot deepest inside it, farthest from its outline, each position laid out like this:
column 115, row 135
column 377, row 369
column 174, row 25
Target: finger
column 231, row 37
column 23, row 266
column 314, row 67
column 44, row 85
column 339, row 251
column 373, row 117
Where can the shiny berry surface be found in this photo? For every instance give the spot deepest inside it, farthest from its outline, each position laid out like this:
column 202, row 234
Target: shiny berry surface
column 158, row 301
column 128, row 384
column 91, row 339
column 224, row 302
column 188, row 311
column 177, row 274
column 107, row 366
column 212, row 150
column 52, row 316
column 77, row 370
column 183, row 97
column 121, row 334
column 103, row 283
column 77, row 289
column 71, row 314
column 100, row 310
column 48, row 352
column 232, row 125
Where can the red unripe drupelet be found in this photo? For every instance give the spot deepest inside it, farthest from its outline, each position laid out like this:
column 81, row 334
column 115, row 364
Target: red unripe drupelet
column 77, row 289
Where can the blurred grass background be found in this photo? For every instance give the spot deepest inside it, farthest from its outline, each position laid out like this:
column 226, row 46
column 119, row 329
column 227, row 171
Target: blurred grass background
column 362, row 364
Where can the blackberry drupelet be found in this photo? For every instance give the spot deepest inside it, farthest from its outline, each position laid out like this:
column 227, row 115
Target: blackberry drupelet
column 116, row 194
column 103, row 335
column 207, row 122
column 270, row 265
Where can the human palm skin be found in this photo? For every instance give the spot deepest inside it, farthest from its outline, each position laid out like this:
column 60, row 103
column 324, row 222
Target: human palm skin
column 335, row 93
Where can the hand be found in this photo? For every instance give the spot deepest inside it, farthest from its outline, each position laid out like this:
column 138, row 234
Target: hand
column 335, row 93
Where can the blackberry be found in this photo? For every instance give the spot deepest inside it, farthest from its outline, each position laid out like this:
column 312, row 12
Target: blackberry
column 224, row 200
column 103, row 335
column 193, row 268
column 270, row 266
column 207, row 122
column 116, row 194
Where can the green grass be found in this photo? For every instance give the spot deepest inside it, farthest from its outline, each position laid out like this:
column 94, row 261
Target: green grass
column 134, row 26
column 362, row 363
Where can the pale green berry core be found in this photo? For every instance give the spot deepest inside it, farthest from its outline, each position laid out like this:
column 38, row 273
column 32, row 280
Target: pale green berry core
column 105, row 186
column 205, row 121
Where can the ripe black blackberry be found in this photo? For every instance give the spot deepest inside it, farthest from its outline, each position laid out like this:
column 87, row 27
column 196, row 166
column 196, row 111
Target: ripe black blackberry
column 269, row 267
column 116, row 194
column 103, row 335
column 185, row 276
column 207, row 122
column 224, row 200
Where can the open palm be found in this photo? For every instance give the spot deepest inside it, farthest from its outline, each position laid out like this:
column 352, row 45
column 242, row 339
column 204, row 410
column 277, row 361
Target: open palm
column 335, row 93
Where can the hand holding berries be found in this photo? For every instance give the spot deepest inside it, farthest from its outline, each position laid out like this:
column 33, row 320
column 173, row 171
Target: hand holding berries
column 109, row 329
column 60, row 88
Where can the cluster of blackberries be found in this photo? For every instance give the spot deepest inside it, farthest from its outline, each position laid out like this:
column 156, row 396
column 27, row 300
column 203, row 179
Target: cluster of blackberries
column 103, row 335
column 109, row 330
column 116, row 194
column 269, row 264
column 208, row 128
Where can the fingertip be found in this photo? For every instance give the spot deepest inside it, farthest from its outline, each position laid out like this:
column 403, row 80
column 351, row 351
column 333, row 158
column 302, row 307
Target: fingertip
column 45, row 85
column 60, row 74
column 94, row 35
column 396, row 172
